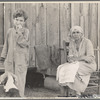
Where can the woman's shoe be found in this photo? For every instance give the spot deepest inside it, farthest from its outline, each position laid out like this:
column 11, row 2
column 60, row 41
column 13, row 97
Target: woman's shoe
column 79, row 96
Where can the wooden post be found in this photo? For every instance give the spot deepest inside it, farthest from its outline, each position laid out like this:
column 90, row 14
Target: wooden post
column 82, row 22
column 52, row 26
column 98, row 35
column 1, row 26
column 85, row 13
column 98, row 44
column 41, row 23
column 65, row 25
column 7, row 18
column 75, row 13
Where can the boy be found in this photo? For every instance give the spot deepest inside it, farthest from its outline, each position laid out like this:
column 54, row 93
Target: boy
column 16, row 49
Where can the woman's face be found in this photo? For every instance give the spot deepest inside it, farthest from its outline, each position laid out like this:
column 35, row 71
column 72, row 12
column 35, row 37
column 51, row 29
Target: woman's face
column 76, row 34
column 19, row 21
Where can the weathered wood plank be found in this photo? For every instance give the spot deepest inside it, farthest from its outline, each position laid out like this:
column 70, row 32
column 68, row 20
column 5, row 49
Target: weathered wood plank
column 31, row 23
column 98, row 39
column 1, row 26
column 82, row 22
column 1, row 23
column 53, row 24
column 65, row 24
column 40, row 23
column 53, row 29
column 18, row 5
column 85, row 13
column 7, row 18
column 93, row 24
column 12, row 11
column 93, row 30
column 75, row 13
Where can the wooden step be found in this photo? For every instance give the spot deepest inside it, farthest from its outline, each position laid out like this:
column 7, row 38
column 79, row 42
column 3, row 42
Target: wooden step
column 94, row 78
column 91, row 85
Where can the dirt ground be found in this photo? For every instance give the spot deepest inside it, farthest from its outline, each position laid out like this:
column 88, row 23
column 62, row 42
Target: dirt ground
column 40, row 92
column 43, row 92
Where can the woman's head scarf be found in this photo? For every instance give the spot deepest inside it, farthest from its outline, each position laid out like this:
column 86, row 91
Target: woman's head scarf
column 76, row 28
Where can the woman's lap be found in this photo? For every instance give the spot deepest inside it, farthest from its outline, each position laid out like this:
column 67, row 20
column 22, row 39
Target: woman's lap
column 81, row 81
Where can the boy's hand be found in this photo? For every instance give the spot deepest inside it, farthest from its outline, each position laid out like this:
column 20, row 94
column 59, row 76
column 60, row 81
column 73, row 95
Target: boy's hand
column 19, row 29
column 16, row 81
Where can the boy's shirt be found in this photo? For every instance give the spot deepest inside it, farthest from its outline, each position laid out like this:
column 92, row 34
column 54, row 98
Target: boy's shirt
column 22, row 42
column 16, row 49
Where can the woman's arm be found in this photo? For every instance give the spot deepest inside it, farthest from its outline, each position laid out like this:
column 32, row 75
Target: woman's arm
column 89, row 57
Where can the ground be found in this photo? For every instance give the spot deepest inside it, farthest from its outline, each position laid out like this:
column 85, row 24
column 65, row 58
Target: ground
column 40, row 92
column 43, row 92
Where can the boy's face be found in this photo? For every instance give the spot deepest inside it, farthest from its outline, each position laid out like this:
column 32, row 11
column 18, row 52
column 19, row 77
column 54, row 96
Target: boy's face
column 19, row 21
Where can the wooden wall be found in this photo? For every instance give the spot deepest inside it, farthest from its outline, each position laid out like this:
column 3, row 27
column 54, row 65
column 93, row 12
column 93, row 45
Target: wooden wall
column 1, row 26
column 49, row 23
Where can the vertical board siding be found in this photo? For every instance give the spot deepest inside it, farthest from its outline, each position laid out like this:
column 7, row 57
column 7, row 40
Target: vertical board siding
column 40, row 36
column 1, row 26
column 65, row 18
column 7, row 18
column 11, row 14
column 85, row 13
column 98, row 39
column 31, row 23
column 40, row 23
column 81, row 17
column 75, row 13
column 49, row 23
column 53, row 24
column 93, row 23
column 64, row 22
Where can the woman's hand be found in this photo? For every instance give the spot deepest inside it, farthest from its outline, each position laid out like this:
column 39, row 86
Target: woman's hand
column 72, row 59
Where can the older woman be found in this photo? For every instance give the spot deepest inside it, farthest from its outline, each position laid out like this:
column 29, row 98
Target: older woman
column 81, row 63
